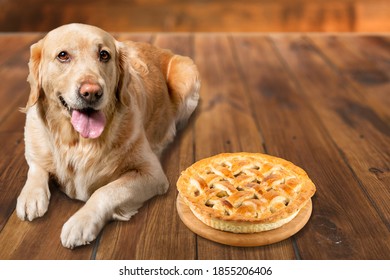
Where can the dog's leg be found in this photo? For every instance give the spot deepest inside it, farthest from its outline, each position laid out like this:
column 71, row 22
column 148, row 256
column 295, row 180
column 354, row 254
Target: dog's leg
column 118, row 200
column 34, row 198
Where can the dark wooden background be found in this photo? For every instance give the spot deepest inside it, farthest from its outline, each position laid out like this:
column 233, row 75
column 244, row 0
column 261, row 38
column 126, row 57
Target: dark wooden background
column 199, row 15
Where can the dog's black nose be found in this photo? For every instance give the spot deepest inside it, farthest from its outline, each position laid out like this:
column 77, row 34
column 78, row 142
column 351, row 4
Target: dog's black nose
column 91, row 92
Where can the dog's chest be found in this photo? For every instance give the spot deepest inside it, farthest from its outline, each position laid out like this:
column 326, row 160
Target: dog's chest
column 82, row 170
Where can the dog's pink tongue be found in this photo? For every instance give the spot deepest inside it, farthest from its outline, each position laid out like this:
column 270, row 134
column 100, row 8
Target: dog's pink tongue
column 89, row 125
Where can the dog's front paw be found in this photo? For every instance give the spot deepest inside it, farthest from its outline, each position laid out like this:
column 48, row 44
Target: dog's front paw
column 81, row 229
column 163, row 187
column 32, row 203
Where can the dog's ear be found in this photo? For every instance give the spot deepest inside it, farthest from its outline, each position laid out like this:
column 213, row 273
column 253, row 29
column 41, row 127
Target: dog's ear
column 34, row 77
column 122, row 85
column 131, row 69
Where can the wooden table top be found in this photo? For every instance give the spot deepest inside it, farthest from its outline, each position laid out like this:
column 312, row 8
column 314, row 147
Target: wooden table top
column 320, row 101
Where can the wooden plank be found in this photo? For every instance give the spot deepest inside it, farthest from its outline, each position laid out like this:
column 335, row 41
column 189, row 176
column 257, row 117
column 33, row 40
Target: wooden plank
column 375, row 47
column 13, row 170
column 344, row 224
column 225, row 124
column 40, row 239
column 358, row 131
column 364, row 61
column 159, row 215
column 14, row 53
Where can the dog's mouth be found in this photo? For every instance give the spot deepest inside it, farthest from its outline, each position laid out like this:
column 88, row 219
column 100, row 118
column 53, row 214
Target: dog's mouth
column 63, row 102
column 87, row 121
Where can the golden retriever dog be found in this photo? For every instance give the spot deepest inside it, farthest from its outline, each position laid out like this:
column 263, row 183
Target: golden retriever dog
column 99, row 114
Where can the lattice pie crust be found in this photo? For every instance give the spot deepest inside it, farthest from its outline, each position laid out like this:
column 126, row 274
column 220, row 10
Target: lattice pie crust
column 245, row 192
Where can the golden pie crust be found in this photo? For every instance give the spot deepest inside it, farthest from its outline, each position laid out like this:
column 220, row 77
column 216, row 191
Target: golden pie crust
column 245, row 192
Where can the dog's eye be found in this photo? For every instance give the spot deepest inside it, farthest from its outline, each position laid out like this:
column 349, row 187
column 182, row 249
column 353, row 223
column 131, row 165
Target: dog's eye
column 104, row 56
column 63, row 56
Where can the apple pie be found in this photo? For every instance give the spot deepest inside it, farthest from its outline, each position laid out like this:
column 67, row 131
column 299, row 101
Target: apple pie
column 245, row 192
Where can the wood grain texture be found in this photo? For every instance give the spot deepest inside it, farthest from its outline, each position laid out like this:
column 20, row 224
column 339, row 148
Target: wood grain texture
column 364, row 62
column 356, row 127
column 340, row 109
column 320, row 101
column 199, row 15
column 18, row 239
column 285, row 130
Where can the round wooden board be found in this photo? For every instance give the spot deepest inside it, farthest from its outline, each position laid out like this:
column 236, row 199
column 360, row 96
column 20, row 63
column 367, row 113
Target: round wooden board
column 242, row 239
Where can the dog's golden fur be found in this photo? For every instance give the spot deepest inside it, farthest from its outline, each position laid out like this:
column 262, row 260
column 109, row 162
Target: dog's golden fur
column 146, row 90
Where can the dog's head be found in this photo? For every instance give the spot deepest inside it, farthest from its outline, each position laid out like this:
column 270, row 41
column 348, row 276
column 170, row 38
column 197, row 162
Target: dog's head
column 82, row 73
